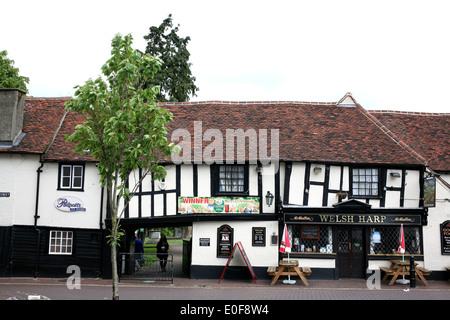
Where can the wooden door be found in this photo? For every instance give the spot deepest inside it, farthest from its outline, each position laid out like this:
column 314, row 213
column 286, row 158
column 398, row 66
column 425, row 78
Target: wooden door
column 350, row 252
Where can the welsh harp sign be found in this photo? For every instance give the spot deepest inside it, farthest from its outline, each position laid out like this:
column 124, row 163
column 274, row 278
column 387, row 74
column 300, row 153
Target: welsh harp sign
column 353, row 218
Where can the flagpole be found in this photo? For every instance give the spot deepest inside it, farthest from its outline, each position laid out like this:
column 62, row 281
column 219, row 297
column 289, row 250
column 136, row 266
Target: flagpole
column 286, row 247
column 401, row 249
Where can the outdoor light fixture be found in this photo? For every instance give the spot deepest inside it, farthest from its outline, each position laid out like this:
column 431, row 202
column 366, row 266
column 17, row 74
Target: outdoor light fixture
column 395, row 175
column 259, row 169
column 269, row 198
column 162, row 185
column 317, row 170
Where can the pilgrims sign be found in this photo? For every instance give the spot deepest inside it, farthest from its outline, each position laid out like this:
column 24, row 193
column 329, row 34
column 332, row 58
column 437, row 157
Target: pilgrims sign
column 69, row 204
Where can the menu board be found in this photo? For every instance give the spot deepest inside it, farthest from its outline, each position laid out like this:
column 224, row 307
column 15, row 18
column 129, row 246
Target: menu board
column 224, row 241
column 310, row 232
column 445, row 238
column 259, row 236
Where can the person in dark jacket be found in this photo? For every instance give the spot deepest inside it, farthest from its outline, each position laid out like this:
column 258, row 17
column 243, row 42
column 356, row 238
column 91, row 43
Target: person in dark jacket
column 139, row 252
column 162, row 248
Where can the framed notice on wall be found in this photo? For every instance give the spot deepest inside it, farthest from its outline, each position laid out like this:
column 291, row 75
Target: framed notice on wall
column 445, row 238
column 259, row 236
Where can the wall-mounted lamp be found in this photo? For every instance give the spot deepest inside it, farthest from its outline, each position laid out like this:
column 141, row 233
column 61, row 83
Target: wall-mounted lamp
column 269, row 198
column 395, row 175
column 259, row 169
column 162, row 185
column 317, row 170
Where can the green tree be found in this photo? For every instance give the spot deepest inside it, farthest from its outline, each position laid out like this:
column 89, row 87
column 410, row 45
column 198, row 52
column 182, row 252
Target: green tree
column 175, row 78
column 9, row 75
column 123, row 128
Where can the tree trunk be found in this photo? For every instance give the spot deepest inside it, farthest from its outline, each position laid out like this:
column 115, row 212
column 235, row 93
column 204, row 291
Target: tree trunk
column 115, row 276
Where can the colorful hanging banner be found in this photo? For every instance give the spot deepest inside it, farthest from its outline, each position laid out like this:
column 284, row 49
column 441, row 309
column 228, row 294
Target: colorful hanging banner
column 218, row 205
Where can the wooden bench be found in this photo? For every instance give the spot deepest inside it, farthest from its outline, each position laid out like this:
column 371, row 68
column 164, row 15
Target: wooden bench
column 306, row 270
column 388, row 272
column 424, row 271
column 272, row 270
column 298, row 271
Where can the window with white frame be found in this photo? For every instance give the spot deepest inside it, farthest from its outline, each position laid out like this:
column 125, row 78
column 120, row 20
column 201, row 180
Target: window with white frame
column 71, row 176
column 61, row 242
column 365, row 182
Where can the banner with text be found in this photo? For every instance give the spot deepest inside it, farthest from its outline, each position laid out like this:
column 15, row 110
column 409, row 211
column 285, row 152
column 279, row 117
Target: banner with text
column 218, row 205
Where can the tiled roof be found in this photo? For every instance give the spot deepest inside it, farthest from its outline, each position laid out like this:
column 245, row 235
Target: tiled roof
column 60, row 150
column 308, row 131
column 41, row 119
column 426, row 133
column 43, row 134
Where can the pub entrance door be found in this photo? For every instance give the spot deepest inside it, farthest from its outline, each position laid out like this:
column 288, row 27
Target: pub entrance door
column 350, row 253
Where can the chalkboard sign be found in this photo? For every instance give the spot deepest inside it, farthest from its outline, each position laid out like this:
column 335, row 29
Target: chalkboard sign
column 445, row 238
column 224, row 241
column 244, row 256
column 259, row 236
column 274, row 240
column 310, row 232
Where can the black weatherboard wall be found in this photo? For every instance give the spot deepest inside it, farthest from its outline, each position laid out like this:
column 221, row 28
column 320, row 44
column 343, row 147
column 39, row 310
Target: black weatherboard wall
column 29, row 255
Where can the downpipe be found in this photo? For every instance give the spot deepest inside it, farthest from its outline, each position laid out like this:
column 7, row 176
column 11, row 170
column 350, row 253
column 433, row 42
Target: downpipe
column 36, row 217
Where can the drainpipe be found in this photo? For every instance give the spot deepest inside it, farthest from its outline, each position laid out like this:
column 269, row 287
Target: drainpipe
column 36, row 216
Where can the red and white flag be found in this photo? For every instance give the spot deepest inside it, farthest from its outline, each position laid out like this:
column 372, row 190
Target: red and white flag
column 285, row 245
column 401, row 241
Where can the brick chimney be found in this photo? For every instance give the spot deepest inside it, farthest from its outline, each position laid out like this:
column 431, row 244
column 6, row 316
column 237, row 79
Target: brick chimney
column 12, row 102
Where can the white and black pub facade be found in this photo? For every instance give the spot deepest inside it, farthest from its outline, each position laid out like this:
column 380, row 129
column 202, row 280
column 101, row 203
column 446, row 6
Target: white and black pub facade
column 341, row 185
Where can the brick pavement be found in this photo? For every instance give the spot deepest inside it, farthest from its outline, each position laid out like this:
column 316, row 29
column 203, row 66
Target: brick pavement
column 207, row 289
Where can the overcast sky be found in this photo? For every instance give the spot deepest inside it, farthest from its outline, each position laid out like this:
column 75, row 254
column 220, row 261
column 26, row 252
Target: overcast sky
column 389, row 54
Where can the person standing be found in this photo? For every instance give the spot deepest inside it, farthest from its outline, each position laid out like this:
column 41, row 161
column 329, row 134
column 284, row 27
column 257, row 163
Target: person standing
column 162, row 249
column 139, row 251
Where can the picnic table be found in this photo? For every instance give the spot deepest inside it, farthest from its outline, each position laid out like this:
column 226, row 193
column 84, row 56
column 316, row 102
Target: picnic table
column 402, row 268
column 289, row 268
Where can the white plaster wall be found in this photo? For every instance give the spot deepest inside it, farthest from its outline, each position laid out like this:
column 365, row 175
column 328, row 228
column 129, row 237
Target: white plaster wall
column 258, row 256
column 187, row 177
column 392, row 199
column 315, row 196
column 252, row 180
column 434, row 260
column 316, row 263
column 317, row 177
column 297, row 183
column 282, row 169
column 335, row 178
column 204, row 178
column 268, row 184
column 50, row 216
column 412, row 189
column 18, row 177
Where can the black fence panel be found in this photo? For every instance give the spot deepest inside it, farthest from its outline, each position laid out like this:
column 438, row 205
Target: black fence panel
column 146, row 266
